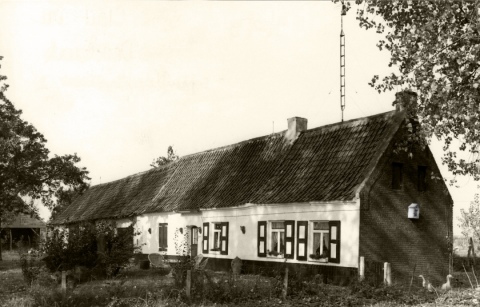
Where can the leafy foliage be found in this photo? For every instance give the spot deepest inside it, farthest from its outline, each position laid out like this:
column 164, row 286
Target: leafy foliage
column 171, row 157
column 26, row 167
column 436, row 47
column 102, row 248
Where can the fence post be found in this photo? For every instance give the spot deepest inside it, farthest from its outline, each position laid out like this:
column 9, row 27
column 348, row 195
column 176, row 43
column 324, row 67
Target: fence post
column 285, row 284
column 387, row 273
column 361, row 268
column 64, row 281
column 189, row 282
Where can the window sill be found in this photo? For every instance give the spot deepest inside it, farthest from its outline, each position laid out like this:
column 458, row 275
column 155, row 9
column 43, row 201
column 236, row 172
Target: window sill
column 276, row 257
column 321, row 260
column 162, row 249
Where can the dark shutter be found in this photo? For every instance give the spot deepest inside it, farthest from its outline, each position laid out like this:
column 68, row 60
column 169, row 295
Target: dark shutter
column 162, row 236
column 302, row 240
column 334, row 248
column 205, row 235
column 224, row 239
column 262, row 239
column 289, row 239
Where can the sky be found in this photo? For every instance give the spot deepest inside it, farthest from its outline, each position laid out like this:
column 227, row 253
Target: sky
column 119, row 82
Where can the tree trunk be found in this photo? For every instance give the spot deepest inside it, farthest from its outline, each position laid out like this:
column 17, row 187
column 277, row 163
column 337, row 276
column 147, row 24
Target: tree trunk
column 10, row 239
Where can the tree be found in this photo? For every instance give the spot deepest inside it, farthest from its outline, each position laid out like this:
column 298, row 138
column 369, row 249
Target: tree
column 436, row 47
column 470, row 219
column 171, row 157
column 26, row 168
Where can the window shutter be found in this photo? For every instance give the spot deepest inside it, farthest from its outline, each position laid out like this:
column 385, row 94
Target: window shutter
column 224, row 239
column 165, row 236
column 302, row 238
column 334, row 249
column 289, row 239
column 205, row 234
column 262, row 239
column 162, row 236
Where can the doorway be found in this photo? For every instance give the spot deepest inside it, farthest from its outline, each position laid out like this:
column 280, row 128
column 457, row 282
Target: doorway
column 194, row 242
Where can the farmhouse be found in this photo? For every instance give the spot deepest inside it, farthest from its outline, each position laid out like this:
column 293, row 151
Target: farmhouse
column 318, row 197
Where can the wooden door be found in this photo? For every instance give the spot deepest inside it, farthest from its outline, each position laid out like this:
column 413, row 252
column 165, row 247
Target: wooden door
column 194, row 242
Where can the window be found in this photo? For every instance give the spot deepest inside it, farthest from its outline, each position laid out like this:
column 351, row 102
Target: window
column 422, row 178
column 219, row 238
column 321, row 241
column 217, row 230
column 325, row 244
column 277, row 239
column 162, row 237
column 397, row 176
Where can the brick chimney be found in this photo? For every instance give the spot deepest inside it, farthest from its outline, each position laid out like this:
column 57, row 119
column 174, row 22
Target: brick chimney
column 403, row 99
column 295, row 126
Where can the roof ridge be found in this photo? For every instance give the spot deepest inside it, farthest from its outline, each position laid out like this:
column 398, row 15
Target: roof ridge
column 281, row 133
column 352, row 121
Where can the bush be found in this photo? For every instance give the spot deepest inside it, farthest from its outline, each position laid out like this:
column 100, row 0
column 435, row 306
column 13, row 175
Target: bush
column 102, row 249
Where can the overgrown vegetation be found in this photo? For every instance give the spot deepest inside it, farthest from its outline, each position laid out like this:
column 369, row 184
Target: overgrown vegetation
column 99, row 249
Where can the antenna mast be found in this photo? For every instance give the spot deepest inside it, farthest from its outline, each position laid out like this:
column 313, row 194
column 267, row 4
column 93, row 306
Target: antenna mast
column 342, row 61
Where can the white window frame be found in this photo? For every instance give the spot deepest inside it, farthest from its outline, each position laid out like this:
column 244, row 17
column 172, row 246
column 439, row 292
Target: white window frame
column 270, row 239
column 213, row 248
column 312, row 232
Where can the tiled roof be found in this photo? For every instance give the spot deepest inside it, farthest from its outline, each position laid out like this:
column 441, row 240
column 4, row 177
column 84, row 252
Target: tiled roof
column 116, row 199
column 327, row 163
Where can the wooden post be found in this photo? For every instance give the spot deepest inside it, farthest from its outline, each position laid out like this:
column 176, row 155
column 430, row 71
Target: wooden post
column 411, row 280
column 387, row 273
column 189, row 283
column 64, row 281
column 361, row 268
column 285, row 285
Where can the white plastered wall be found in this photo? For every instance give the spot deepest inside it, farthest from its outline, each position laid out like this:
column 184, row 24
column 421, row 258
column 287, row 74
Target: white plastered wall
column 245, row 245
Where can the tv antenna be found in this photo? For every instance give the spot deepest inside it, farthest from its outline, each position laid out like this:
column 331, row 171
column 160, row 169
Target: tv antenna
column 342, row 60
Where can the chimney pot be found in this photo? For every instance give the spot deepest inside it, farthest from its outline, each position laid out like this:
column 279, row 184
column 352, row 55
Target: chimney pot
column 296, row 125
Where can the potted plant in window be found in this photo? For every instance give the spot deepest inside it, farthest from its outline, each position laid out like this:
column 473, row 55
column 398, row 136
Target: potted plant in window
column 323, row 257
column 274, row 254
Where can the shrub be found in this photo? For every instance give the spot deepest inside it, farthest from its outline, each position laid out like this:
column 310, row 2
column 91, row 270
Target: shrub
column 102, row 249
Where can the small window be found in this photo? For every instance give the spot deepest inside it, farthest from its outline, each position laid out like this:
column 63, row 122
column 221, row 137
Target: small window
column 321, row 240
column 162, row 237
column 397, row 176
column 217, row 231
column 220, row 238
column 422, row 178
column 277, row 239
column 325, row 244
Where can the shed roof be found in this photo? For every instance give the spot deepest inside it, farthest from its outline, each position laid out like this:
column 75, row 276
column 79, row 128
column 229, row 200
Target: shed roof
column 327, row 163
column 25, row 221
